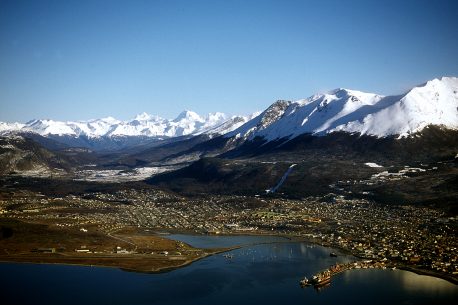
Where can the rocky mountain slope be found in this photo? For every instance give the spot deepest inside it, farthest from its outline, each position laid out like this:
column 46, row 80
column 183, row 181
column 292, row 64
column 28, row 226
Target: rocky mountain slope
column 25, row 156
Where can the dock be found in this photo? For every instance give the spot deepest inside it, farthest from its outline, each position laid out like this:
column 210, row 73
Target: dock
column 324, row 277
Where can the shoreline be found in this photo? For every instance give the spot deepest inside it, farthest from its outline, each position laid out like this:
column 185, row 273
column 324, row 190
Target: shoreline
column 116, row 261
column 98, row 261
column 414, row 269
column 299, row 238
column 432, row 273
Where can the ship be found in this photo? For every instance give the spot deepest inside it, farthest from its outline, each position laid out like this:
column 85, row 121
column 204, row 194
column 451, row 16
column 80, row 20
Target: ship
column 321, row 279
column 305, row 282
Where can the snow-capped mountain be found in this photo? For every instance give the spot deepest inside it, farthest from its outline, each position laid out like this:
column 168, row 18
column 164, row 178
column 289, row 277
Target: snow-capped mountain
column 186, row 123
column 7, row 127
column 433, row 103
column 229, row 125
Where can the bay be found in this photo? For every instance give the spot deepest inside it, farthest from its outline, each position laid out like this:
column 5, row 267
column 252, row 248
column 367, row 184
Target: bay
column 264, row 271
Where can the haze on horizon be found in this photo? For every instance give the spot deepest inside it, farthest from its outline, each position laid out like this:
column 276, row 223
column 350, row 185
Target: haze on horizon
column 78, row 60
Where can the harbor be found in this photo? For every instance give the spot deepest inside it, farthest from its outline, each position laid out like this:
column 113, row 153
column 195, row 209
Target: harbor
column 323, row 278
column 261, row 271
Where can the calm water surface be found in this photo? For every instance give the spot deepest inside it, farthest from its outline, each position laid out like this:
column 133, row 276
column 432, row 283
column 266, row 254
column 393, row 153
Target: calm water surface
column 219, row 241
column 266, row 273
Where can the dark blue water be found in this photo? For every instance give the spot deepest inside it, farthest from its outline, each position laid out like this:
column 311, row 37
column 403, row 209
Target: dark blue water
column 258, row 274
column 223, row 241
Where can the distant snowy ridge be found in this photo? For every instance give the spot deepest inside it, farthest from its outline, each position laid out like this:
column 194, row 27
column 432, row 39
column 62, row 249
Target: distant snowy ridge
column 186, row 123
column 433, row 103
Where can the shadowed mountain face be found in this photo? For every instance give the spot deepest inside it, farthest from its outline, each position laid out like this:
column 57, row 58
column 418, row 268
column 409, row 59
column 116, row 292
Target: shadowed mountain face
column 18, row 154
column 323, row 163
column 432, row 143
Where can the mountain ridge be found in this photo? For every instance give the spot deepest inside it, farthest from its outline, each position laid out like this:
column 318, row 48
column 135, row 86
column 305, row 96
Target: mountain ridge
column 435, row 102
column 144, row 124
column 344, row 110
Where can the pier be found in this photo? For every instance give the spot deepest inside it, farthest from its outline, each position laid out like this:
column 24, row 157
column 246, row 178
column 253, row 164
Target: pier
column 324, row 277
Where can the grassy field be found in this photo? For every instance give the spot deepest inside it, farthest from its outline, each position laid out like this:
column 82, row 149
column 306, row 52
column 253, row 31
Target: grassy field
column 138, row 251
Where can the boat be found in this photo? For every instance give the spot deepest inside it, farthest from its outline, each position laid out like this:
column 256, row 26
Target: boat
column 332, row 254
column 321, row 279
column 305, row 282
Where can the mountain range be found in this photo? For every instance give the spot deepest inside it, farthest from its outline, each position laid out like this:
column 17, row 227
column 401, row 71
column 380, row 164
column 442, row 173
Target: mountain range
column 319, row 145
column 351, row 111
column 186, row 123
column 432, row 103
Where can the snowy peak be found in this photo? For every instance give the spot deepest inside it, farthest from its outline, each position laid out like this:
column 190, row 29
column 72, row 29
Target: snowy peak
column 189, row 116
column 229, row 124
column 144, row 124
column 216, row 117
column 261, row 121
column 10, row 127
column 49, row 127
column 108, row 120
column 146, row 117
column 273, row 113
column 433, row 103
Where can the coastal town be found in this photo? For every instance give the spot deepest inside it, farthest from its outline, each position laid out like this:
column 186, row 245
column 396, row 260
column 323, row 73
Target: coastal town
column 421, row 238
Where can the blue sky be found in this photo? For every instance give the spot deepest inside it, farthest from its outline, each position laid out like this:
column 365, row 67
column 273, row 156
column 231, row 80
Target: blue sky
column 72, row 60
